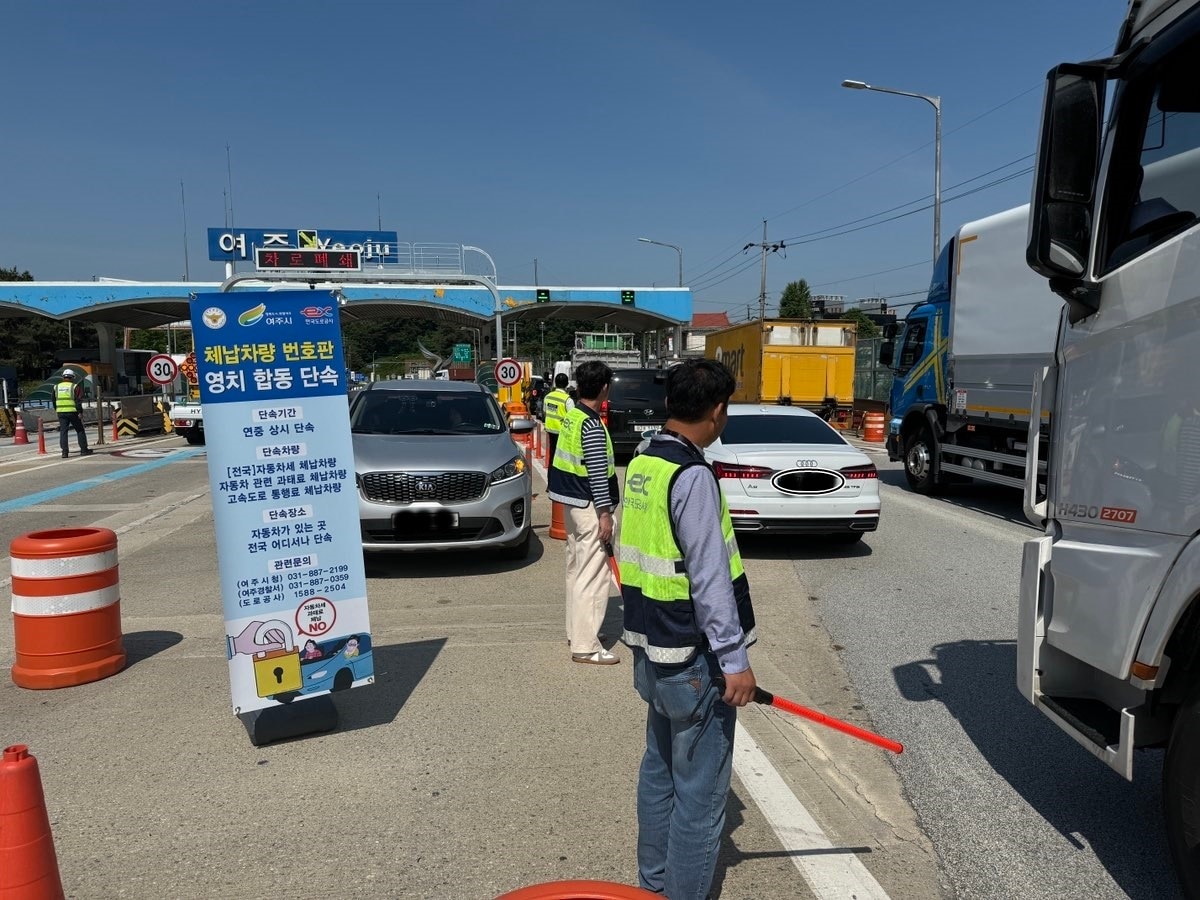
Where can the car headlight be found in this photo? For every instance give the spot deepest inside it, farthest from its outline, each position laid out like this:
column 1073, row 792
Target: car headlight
column 514, row 468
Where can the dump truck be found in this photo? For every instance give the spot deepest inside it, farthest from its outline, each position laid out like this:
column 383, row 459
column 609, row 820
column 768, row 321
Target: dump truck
column 790, row 362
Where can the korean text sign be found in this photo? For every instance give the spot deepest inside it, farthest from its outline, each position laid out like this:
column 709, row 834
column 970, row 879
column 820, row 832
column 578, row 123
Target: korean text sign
column 281, row 467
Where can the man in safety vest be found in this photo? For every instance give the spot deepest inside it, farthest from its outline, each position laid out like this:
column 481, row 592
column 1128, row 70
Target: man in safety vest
column 68, row 400
column 688, row 620
column 556, row 404
column 583, row 477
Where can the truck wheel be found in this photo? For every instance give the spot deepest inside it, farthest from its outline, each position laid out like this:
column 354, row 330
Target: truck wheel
column 919, row 449
column 194, row 438
column 1181, row 794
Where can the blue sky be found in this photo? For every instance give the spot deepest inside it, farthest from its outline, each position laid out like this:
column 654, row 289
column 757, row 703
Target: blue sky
column 560, row 131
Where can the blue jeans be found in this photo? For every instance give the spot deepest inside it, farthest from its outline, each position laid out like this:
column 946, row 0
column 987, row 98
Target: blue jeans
column 684, row 778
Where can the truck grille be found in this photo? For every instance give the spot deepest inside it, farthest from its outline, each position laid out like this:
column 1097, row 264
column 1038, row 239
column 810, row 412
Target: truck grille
column 409, row 487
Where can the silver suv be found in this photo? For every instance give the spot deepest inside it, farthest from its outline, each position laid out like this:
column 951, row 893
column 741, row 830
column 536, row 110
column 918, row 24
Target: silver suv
column 437, row 468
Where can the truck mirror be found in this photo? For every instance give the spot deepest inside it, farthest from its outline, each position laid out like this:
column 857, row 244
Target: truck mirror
column 1060, row 221
column 887, row 350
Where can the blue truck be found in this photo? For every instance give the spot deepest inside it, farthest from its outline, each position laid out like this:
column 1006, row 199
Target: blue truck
column 966, row 360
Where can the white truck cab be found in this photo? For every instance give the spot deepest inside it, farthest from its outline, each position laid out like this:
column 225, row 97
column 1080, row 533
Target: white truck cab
column 1109, row 622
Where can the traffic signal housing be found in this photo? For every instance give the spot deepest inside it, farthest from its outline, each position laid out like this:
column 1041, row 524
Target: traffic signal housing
column 627, row 298
column 543, row 295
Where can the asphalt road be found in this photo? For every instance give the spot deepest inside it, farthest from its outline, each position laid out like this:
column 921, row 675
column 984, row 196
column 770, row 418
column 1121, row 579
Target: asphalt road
column 925, row 619
column 482, row 760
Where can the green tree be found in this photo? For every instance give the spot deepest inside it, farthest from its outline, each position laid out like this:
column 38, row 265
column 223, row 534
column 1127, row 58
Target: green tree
column 30, row 342
column 796, row 301
column 865, row 327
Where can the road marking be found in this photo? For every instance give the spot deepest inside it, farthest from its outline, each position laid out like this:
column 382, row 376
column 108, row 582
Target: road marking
column 75, row 487
column 829, row 875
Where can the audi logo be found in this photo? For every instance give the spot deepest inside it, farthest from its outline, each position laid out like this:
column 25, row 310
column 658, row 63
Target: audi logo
column 806, row 464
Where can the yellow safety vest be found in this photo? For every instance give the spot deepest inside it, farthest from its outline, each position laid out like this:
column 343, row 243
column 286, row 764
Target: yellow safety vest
column 64, row 397
column 655, row 587
column 555, row 405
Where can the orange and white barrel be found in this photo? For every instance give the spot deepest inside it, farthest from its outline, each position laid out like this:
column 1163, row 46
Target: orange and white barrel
column 873, row 427
column 66, row 605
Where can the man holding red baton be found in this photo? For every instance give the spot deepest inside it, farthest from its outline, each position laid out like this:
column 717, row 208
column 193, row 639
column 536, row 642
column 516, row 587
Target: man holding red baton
column 688, row 619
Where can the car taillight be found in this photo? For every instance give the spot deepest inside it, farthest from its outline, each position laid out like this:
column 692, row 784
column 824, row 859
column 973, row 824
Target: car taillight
column 725, row 470
column 604, row 412
column 853, row 473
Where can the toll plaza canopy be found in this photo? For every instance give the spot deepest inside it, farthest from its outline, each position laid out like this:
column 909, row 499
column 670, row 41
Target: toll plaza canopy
column 130, row 304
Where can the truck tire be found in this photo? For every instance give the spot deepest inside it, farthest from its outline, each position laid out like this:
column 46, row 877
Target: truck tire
column 919, row 449
column 194, row 437
column 1181, row 794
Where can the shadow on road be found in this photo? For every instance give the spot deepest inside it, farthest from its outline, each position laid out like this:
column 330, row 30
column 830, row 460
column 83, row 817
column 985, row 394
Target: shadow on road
column 140, row 645
column 1072, row 790
column 399, row 668
column 992, row 500
column 433, row 564
column 800, row 546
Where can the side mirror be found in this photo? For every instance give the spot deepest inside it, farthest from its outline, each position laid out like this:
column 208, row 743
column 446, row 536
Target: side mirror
column 1064, row 185
column 521, row 426
column 887, row 350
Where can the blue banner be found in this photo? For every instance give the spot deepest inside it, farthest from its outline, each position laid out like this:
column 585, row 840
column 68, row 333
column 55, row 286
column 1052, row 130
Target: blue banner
column 281, row 470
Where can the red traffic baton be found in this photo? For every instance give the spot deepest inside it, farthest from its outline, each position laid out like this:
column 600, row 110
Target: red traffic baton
column 766, row 698
column 612, row 566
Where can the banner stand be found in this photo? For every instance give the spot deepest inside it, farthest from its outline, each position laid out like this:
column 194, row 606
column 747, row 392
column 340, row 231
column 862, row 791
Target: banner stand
column 291, row 720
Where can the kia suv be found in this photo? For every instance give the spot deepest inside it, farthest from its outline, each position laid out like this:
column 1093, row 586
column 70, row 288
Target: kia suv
column 437, row 468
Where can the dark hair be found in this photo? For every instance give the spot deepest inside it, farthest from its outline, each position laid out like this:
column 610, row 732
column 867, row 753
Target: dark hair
column 695, row 387
column 591, row 378
column 561, row 380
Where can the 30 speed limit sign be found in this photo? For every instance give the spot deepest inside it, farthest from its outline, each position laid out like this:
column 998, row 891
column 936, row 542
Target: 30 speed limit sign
column 508, row 372
column 161, row 369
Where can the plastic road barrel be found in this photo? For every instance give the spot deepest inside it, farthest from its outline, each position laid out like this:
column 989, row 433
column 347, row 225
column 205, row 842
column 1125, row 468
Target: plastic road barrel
column 66, row 607
column 579, row 890
column 873, row 425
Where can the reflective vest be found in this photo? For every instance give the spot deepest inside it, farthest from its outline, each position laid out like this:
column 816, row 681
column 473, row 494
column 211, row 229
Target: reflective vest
column 568, row 471
column 555, row 405
column 64, row 397
column 660, row 616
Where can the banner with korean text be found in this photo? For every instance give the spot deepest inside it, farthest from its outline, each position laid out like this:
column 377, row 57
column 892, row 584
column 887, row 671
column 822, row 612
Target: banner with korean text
column 281, row 466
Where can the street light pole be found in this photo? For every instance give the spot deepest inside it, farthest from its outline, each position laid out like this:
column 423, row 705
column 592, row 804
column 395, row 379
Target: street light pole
column 678, row 250
column 936, row 103
column 678, row 328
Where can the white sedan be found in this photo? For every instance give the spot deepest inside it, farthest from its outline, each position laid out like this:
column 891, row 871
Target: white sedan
column 785, row 471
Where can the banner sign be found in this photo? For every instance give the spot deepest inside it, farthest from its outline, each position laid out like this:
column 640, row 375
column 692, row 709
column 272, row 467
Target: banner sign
column 281, row 470
column 234, row 244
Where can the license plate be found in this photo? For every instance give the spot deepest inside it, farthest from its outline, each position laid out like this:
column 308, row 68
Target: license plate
column 435, row 520
column 647, row 428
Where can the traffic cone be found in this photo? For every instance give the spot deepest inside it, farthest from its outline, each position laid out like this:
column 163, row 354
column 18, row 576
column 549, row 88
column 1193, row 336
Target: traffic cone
column 20, row 435
column 28, row 866
column 41, row 437
column 558, row 524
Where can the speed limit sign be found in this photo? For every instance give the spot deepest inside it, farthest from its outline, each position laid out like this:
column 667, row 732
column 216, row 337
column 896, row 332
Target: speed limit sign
column 161, row 369
column 508, row 372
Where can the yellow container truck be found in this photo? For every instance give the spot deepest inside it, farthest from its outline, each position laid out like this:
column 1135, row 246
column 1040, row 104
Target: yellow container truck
column 791, row 362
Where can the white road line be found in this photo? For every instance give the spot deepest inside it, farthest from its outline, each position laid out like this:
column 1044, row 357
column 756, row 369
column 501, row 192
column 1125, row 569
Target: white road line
column 829, row 875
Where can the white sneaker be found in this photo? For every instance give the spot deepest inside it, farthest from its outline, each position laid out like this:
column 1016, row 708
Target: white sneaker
column 599, row 658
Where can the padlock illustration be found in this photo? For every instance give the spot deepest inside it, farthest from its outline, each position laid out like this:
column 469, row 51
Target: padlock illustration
column 277, row 672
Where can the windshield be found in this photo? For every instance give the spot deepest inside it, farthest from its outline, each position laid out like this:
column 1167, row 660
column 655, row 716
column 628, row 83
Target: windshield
column 425, row 412
column 771, row 429
column 640, row 387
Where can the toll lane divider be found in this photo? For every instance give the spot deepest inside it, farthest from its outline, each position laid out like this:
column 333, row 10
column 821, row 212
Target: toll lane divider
column 65, row 490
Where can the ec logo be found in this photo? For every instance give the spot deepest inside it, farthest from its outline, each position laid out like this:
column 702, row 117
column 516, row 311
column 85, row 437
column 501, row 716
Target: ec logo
column 638, row 484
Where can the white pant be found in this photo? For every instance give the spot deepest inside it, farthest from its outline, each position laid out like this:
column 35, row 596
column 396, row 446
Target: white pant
column 588, row 579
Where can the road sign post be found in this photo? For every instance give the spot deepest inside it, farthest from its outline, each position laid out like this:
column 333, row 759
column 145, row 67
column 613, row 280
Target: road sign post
column 161, row 369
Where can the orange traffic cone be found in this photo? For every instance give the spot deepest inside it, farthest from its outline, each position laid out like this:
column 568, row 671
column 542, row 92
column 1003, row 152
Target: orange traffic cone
column 558, row 524
column 115, row 436
column 28, row 866
column 20, row 435
column 41, row 438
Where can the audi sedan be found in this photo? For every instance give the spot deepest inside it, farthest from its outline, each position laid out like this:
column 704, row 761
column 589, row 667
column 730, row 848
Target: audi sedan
column 783, row 470
column 437, row 468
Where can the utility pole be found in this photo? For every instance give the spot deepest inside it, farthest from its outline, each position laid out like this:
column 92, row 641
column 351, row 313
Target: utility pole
column 535, row 281
column 764, row 247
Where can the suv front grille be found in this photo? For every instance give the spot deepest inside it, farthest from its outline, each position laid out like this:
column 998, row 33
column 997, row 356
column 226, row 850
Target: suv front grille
column 409, row 487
